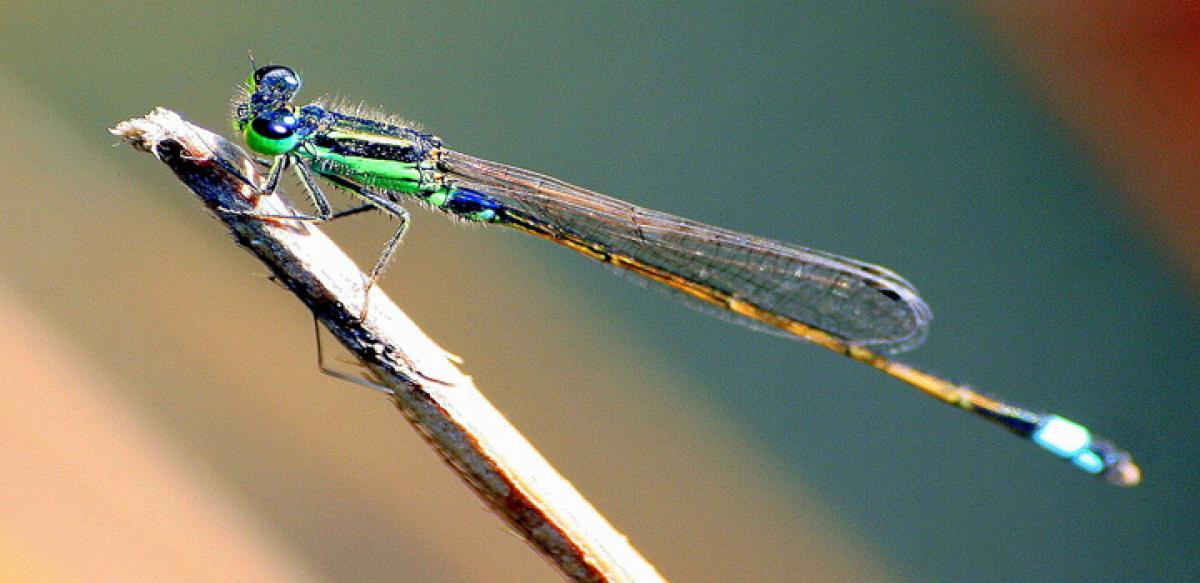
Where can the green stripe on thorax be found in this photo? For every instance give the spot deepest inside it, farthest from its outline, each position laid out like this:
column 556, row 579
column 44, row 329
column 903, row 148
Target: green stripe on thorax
column 341, row 134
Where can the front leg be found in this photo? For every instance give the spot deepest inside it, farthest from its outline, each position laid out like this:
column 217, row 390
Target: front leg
column 315, row 194
column 277, row 167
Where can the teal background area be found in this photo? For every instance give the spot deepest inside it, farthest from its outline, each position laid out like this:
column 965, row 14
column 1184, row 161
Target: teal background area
column 891, row 133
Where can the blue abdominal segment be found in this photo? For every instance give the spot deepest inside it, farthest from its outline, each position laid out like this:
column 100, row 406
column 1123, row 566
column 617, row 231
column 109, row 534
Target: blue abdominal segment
column 472, row 205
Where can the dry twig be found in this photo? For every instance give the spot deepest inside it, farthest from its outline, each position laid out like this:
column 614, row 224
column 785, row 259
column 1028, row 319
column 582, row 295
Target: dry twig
column 439, row 400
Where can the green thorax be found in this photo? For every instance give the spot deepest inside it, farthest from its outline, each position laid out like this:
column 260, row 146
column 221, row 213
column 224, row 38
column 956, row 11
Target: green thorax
column 370, row 152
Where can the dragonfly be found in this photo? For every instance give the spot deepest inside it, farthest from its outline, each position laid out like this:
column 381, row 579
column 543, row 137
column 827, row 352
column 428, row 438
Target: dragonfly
column 850, row 307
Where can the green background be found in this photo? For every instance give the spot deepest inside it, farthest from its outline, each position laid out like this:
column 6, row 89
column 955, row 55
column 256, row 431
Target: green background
column 895, row 134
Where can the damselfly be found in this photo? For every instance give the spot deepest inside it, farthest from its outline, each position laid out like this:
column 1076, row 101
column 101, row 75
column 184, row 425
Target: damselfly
column 850, row 307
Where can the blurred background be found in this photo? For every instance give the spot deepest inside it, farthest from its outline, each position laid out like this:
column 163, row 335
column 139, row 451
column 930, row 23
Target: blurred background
column 1032, row 170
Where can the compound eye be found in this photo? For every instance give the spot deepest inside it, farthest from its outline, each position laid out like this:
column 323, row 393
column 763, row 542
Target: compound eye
column 276, row 125
column 273, row 133
column 276, row 77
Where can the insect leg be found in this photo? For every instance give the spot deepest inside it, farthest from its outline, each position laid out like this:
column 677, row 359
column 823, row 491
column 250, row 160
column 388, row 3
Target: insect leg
column 388, row 206
column 339, row 374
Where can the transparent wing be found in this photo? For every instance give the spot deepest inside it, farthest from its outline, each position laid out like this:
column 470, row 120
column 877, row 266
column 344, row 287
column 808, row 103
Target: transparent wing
column 855, row 301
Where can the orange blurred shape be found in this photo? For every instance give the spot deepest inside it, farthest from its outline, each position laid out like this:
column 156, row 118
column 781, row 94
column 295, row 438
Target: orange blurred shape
column 1126, row 76
column 92, row 493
